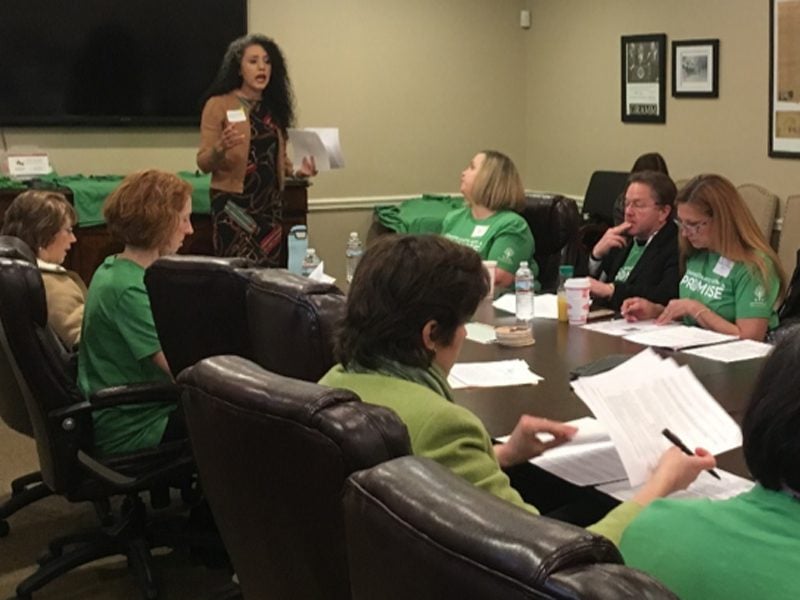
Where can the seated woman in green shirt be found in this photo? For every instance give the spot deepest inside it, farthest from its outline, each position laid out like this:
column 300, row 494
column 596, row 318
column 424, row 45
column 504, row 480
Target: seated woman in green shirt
column 747, row 546
column 403, row 330
column 488, row 222
column 149, row 213
column 732, row 279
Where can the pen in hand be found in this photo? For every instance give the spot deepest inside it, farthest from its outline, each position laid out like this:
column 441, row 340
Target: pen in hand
column 677, row 441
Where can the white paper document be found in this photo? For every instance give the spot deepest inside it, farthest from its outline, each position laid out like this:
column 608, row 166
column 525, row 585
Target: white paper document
column 705, row 486
column 646, row 394
column 589, row 458
column 497, row 373
column 319, row 275
column 481, row 333
column 733, row 351
column 622, row 328
column 678, row 336
column 320, row 142
column 545, row 306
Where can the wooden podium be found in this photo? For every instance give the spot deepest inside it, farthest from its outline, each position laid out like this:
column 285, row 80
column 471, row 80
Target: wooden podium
column 95, row 243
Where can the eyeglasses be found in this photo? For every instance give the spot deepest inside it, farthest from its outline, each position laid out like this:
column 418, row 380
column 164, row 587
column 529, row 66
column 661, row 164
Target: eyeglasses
column 639, row 205
column 691, row 228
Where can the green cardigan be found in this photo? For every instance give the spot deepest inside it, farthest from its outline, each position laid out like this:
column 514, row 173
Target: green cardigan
column 454, row 437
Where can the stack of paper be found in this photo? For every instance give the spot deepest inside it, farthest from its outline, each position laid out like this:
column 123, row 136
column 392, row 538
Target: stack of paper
column 672, row 335
column 646, row 394
column 545, row 306
column 705, row 486
column 589, row 458
column 492, row 374
column 733, row 351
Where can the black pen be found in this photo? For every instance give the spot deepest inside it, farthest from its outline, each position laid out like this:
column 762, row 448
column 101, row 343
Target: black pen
column 677, row 441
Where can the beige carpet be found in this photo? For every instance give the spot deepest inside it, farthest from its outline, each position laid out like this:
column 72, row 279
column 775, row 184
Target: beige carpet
column 33, row 526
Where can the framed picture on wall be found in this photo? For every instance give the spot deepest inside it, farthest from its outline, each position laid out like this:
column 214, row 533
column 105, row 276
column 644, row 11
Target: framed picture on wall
column 784, row 79
column 695, row 69
column 643, row 62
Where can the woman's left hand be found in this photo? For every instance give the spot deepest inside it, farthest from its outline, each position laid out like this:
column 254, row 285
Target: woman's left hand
column 308, row 168
column 679, row 308
column 524, row 444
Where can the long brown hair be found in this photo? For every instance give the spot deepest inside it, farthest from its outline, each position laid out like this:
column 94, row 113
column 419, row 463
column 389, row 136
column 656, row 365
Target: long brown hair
column 735, row 235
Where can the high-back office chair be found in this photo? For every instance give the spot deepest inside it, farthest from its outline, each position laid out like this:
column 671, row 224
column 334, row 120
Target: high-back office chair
column 293, row 322
column 199, row 307
column 416, row 530
column 554, row 223
column 763, row 205
column 273, row 454
column 62, row 424
column 27, row 488
column 598, row 206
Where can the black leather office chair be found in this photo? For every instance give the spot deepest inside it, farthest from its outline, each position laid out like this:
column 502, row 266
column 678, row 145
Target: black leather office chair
column 598, row 209
column 27, row 488
column 273, row 454
column 554, row 223
column 292, row 322
column 199, row 307
column 416, row 530
column 62, row 424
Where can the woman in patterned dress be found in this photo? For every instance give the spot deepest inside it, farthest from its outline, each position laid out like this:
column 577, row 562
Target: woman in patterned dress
column 248, row 109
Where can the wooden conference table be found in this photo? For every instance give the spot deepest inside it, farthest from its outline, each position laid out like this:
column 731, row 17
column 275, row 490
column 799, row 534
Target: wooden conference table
column 560, row 348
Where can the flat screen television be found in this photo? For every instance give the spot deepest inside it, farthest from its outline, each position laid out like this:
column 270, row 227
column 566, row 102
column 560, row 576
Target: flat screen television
column 112, row 62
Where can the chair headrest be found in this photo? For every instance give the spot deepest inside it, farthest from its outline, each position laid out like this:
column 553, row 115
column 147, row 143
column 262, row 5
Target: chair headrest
column 13, row 247
column 289, row 283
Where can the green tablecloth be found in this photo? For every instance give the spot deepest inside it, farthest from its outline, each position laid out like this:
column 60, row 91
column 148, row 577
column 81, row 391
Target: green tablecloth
column 418, row 215
column 89, row 193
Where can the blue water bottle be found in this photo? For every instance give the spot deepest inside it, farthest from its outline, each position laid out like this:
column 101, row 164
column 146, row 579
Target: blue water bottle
column 297, row 246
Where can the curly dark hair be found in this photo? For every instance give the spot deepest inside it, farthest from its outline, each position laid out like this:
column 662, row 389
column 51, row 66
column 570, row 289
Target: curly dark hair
column 401, row 283
column 278, row 96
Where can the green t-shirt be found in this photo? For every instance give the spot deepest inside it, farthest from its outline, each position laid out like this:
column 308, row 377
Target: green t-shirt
column 504, row 237
column 744, row 547
column 117, row 343
column 630, row 262
column 731, row 289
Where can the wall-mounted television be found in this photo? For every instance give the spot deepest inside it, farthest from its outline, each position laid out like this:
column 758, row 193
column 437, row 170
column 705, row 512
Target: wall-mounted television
column 112, row 62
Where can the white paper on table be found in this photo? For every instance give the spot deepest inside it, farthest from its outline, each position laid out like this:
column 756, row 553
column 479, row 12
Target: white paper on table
column 589, row 458
column 678, row 336
column 643, row 396
column 621, row 327
column 319, row 275
column 320, row 142
column 481, row 333
column 545, row 306
column 705, row 486
column 497, row 373
column 733, row 351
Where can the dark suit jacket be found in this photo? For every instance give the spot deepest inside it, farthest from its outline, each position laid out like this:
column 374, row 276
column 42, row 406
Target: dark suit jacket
column 656, row 274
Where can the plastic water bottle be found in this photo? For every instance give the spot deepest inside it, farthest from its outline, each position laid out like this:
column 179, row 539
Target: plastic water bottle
column 523, row 284
column 310, row 262
column 564, row 273
column 352, row 253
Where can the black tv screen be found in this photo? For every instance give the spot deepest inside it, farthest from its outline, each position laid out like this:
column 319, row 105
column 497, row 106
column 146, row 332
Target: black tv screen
column 112, row 62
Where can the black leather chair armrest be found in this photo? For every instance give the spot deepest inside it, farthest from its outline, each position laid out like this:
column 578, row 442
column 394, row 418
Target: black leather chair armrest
column 135, row 394
column 171, row 459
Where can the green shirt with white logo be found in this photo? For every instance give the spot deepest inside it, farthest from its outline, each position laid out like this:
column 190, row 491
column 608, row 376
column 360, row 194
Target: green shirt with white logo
column 733, row 290
column 630, row 262
column 504, row 237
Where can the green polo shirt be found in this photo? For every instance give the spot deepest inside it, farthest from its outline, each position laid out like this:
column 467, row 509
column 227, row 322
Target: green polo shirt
column 117, row 344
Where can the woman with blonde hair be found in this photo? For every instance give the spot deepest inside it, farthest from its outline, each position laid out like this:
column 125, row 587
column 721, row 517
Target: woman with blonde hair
column 44, row 221
column 150, row 214
column 732, row 280
column 488, row 223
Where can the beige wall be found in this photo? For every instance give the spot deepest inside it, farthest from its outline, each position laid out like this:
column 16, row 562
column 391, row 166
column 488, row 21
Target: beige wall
column 417, row 87
column 573, row 95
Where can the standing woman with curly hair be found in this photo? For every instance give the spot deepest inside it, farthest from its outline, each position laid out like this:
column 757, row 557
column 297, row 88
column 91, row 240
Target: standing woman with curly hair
column 248, row 110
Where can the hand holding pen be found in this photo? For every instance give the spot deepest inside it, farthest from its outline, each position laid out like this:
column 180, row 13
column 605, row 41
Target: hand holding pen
column 677, row 442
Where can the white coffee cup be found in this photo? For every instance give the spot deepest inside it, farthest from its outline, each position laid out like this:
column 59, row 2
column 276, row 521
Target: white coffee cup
column 491, row 268
column 577, row 289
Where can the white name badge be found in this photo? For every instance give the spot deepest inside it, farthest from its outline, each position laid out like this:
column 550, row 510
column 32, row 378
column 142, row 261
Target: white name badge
column 723, row 267
column 479, row 230
column 236, row 116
